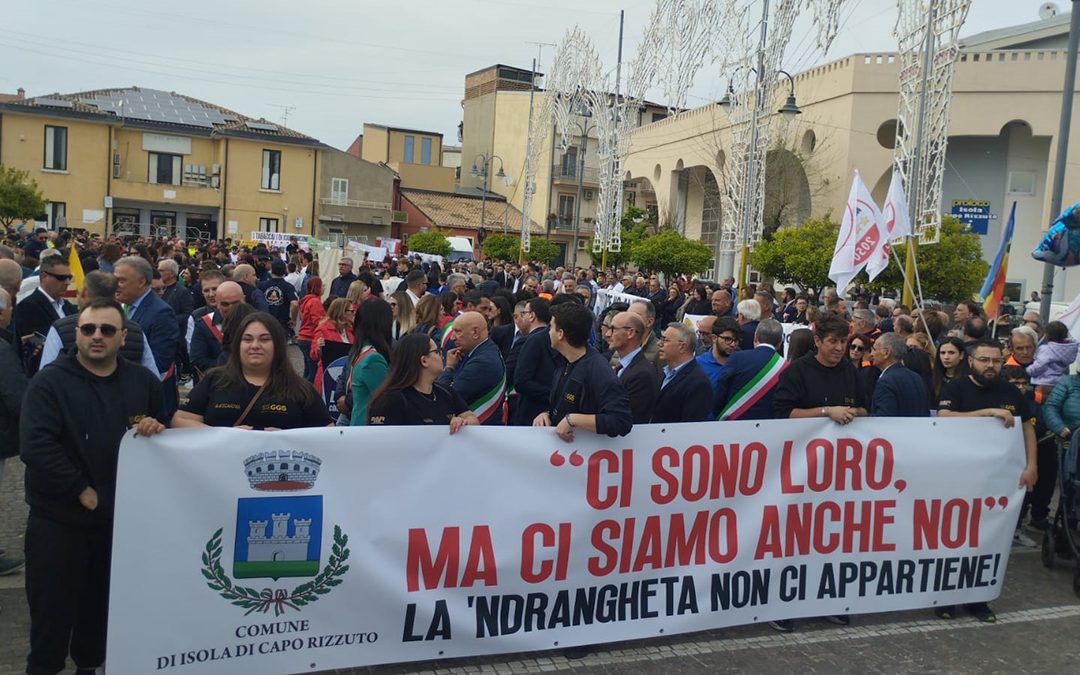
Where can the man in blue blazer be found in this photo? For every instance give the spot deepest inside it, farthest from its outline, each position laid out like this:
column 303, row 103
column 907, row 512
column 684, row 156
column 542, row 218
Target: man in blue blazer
column 134, row 275
column 474, row 369
column 746, row 386
column 685, row 390
column 900, row 391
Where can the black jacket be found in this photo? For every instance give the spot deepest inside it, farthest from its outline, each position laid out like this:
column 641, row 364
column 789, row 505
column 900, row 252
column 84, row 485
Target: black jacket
column 687, row 398
column 71, row 426
column 533, row 373
column 35, row 315
column 205, row 347
column 642, row 385
column 591, row 388
column 12, row 387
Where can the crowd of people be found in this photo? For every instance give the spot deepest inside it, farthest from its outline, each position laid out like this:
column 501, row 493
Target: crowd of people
column 190, row 334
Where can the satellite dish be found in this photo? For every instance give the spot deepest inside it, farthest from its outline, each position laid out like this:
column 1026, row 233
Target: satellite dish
column 1048, row 10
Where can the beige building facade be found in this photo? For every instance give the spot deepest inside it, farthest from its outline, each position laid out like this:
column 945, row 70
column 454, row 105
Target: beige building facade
column 416, row 156
column 1002, row 142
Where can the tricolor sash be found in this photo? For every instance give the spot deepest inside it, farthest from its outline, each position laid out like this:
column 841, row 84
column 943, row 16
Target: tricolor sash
column 491, row 402
column 208, row 319
column 448, row 331
column 759, row 385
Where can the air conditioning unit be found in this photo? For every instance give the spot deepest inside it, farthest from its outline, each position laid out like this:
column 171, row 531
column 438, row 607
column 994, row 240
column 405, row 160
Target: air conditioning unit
column 582, row 244
column 215, row 169
column 116, row 165
column 588, row 194
column 215, row 181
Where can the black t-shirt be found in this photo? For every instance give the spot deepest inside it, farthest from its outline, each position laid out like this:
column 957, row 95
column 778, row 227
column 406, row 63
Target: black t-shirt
column 408, row 407
column 279, row 296
column 221, row 405
column 963, row 395
column 806, row 383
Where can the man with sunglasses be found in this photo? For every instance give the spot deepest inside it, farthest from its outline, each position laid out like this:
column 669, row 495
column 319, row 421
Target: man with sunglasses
column 37, row 312
column 70, row 451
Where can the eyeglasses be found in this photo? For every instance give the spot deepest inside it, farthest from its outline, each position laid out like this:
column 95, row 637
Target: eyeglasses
column 988, row 359
column 393, row 304
column 857, row 348
column 107, row 329
column 59, row 277
column 727, row 338
column 615, row 328
column 434, row 351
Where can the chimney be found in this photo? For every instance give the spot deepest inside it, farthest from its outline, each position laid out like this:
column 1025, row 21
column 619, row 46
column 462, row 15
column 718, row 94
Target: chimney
column 21, row 92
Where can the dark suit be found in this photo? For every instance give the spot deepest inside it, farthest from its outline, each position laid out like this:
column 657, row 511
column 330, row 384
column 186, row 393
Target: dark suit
column 503, row 337
column 476, row 375
column 687, row 398
column 642, row 386
column 158, row 322
column 508, row 281
column 533, row 373
column 35, row 315
column 205, row 345
column 736, row 374
column 900, row 392
column 746, row 338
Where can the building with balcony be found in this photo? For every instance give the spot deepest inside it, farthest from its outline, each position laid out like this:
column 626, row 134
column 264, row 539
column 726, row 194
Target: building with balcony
column 416, row 156
column 1006, row 102
column 496, row 122
column 356, row 198
column 151, row 162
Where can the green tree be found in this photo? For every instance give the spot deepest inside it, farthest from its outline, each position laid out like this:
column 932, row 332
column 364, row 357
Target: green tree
column 502, row 247
column 542, row 250
column 20, row 198
column 432, row 241
column 950, row 271
column 671, row 253
column 635, row 226
column 798, row 255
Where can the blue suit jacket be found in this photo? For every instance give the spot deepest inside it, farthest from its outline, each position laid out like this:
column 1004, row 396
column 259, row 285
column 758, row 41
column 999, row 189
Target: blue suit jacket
column 533, row 372
column 741, row 367
column 687, row 398
column 476, row 375
column 900, row 392
column 158, row 322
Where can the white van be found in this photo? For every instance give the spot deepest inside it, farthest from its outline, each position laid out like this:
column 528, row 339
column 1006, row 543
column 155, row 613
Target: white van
column 463, row 249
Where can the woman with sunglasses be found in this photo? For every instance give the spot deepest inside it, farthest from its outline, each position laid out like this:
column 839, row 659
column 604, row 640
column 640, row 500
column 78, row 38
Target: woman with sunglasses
column 257, row 388
column 859, row 350
column 404, row 314
column 409, row 396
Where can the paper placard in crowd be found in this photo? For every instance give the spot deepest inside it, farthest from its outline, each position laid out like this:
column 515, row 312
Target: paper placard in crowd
column 279, row 239
column 314, row 549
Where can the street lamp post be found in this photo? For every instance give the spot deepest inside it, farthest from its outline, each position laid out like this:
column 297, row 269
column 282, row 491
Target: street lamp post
column 585, row 128
column 484, row 171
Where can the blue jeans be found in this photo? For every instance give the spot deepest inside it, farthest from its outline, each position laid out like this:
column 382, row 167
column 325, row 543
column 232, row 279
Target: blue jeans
column 310, row 366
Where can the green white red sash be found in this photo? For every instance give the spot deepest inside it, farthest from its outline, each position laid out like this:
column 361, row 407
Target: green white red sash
column 759, row 385
column 448, row 331
column 491, row 402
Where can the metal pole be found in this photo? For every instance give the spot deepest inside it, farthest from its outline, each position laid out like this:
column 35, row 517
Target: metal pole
column 528, row 154
column 577, row 204
column 483, row 194
column 914, row 182
column 748, row 189
column 617, row 222
column 1062, row 150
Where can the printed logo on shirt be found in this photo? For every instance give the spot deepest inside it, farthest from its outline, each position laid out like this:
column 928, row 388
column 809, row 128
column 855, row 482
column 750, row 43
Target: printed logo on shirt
column 569, row 397
column 274, row 408
column 227, row 406
column 274, row 296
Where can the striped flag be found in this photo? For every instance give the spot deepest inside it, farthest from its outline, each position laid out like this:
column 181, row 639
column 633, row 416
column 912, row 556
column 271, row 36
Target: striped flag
column 993, row 289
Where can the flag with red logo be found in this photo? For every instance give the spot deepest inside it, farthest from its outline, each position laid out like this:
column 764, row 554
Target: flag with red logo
column 861, row 234
column 895, row 222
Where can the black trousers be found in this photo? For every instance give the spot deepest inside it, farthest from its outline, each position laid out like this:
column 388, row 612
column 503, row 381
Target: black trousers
column 1047, row 461
column 67, row 587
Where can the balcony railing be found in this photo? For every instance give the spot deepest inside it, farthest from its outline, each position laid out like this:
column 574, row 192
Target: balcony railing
column 567, row 223
column 355, row 203
column 569, row 172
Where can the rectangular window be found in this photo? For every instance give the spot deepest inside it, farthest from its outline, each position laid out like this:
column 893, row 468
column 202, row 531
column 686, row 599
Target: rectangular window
column 268, row 224
column 164, row 168
column 569, row 162
column 408, row 153
column 57, row 215
column 162, row 223
column 56, row 148
column 656, row 117
column 1022, row 183
column 339, row 191
column 566, row 209
column 425, row 151
column 271, row 170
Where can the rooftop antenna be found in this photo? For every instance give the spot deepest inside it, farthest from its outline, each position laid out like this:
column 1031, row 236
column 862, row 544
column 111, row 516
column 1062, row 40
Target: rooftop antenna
column 285, row 110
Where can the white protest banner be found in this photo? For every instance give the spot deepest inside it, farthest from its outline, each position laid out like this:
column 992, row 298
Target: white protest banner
column 374, row 253
column 253, row 552
column 279, row 239
column 605, row 297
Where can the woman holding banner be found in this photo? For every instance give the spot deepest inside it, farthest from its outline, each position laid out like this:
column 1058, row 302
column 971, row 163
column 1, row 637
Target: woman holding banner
column 257, row 388
column 409, row 396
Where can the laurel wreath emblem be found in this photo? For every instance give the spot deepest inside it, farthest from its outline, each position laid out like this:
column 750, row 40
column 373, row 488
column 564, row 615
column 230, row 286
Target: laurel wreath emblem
column 277, row 598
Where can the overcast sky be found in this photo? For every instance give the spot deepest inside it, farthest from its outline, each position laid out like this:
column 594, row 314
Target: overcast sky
column 341, row 63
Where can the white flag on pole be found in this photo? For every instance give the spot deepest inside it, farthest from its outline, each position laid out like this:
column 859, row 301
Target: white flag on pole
column 1071, row 318
column 895, row 224
column 860, row 235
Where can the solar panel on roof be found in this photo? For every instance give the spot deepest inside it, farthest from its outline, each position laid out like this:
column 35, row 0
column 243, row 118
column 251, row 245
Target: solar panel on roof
column 53, row 103
column 262, row 126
